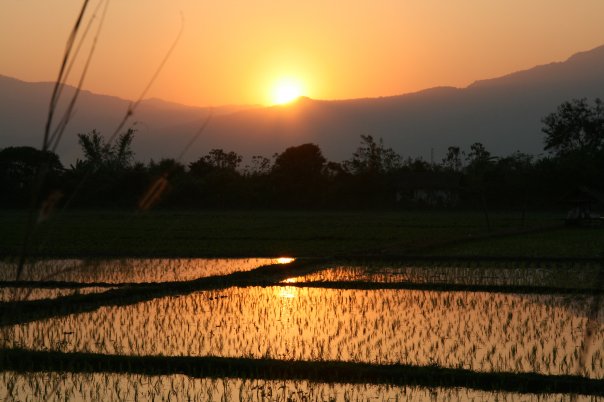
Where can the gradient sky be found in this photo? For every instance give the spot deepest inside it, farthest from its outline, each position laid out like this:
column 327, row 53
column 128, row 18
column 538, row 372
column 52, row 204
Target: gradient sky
column 231, row 52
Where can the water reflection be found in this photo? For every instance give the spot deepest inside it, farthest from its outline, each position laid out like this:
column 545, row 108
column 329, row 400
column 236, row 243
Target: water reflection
column 477, row 331
column 137, row 270
column 566, row 276
column 12, row 294
column 287, row 292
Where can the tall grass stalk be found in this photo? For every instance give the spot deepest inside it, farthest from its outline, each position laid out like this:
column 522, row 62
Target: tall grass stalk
column 43, row 168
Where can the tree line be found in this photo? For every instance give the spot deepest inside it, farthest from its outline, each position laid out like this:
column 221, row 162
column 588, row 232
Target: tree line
column 375, row 176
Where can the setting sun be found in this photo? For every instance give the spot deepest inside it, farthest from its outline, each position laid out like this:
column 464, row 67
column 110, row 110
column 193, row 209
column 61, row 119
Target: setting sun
column 286, row 90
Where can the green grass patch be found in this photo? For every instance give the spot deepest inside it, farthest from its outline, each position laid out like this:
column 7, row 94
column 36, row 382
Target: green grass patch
column 563, row 242
column 254, row 233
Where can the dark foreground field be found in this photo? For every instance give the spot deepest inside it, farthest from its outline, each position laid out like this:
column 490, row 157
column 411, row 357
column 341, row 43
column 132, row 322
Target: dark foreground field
column 297, row 233
column 528, row 291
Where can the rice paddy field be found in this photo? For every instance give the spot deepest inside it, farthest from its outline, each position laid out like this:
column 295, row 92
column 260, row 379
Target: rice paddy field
column 395, row 310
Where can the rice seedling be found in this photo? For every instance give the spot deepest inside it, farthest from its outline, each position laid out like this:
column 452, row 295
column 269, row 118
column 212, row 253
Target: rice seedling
column 450, row 329
column 130, row 270
column 8, row 294
column 565, row 278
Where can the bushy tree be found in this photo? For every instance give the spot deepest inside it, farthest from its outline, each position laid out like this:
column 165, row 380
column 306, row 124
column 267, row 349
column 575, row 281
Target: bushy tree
column 478, row 157
column 215, row 160
column 576, row 126
column 21, row 163
column 217, row 182
column 372, row 157
column 19, row 168
column 260, row 166
column 574, row 136
column 298, row 174
column 107, row 175
column 453, row 159
column 220, row 159
column 166, row 166
column 98, row 153
column 305, row 160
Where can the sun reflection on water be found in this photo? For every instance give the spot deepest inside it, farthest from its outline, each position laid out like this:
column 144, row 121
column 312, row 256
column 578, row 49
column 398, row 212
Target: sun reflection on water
column 478, row 331
column 288, row 292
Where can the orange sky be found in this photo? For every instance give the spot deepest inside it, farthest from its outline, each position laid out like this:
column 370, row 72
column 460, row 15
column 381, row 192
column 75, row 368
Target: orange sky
column 231, row 52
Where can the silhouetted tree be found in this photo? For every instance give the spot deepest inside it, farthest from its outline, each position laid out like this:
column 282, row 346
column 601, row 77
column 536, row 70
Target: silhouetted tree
column 200, row 168
column 106, row 176
column 258, row 184
column 219, row 159
column 575, row 140
column 305, row 160
column 453, row 160
column 334, row 170
column 260, row 166
column 478, row 157
column 217, row 181
column 18, row 169
column 480, row 179
column 298, row 174
column 576, row 126
column 371, row 168
column 216, row 159
column 417, row 165
column 372, row 157
column 98, row 153
column 21, row 163
column 168, row 166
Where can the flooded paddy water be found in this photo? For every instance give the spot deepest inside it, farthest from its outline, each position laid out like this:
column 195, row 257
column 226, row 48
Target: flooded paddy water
column 476, row 274
column 286, row 320
column 83, row 274
column 130, row 270
column 476, row 331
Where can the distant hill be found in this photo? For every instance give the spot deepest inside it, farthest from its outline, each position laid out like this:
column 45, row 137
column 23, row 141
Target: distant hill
column 503, row 113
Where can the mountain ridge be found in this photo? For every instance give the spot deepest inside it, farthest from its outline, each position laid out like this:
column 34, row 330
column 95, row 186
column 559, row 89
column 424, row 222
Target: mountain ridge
column 503, row 113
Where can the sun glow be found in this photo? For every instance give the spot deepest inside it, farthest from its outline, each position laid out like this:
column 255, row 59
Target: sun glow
column 286, row 90
column 288, row 292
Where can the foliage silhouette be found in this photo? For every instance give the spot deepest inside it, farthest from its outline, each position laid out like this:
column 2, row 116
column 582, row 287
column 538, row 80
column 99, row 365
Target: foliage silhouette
column 372, row 157
column 298, row 175
column 18, row 169
column 301, row 176
column 576, row 126
column 102, row 154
